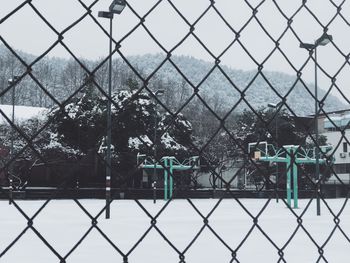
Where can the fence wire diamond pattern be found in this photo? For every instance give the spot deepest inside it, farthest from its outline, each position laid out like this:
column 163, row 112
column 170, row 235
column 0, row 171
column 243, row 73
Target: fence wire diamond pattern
column 26, row 153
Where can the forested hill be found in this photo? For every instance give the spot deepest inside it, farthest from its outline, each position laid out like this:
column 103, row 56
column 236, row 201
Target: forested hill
column 219, row 91
column 62, row 77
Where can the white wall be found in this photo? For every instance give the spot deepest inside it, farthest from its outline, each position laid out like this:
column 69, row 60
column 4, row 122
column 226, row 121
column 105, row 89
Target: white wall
column 334, row 138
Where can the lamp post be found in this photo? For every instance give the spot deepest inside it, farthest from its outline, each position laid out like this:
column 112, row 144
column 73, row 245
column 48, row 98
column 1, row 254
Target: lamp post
column 322, row 41
column 116, row 7
column 276, row 107
column 156, row 94
column 12, row 82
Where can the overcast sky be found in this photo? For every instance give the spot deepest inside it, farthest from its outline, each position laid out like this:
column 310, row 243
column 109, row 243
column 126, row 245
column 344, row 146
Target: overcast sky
column 26, row 31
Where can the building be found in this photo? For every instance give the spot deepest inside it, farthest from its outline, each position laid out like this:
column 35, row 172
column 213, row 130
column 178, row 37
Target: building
column 331, row 126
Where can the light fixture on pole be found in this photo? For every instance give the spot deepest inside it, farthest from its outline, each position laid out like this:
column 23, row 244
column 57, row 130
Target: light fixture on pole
column 156, row 94
column 321, row 41
column 116, row 7
column 13, row 82
column 276, row 107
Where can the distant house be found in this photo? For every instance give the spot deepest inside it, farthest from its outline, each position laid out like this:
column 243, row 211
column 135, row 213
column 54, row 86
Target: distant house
column 331, row 125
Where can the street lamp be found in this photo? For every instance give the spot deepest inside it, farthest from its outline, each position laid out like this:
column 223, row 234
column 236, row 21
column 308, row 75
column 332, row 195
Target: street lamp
column 276, row 107
column 12, row 82
column 116, row 7
column 322, row 41
column 156, row 94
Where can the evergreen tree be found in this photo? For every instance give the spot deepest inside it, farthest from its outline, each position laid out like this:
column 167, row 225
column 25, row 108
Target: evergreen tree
column 82, row 126
column 81, row 123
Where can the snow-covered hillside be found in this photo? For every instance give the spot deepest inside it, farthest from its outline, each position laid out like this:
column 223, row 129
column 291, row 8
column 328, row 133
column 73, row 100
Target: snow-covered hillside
column 221, row 87
column 225, row 91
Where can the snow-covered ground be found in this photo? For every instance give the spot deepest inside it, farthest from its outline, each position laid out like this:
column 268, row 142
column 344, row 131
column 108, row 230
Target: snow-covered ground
column 63, row 223
column 22, row 113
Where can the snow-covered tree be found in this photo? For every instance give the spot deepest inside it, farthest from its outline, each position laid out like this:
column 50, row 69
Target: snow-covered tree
column 81, row 125
column 82, row 122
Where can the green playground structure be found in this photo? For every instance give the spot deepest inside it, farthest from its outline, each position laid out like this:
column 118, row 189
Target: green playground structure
column 169, row 164
column 291, row 155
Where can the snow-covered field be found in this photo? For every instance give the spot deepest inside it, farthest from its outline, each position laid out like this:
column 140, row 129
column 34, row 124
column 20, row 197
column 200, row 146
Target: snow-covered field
column 63, row 223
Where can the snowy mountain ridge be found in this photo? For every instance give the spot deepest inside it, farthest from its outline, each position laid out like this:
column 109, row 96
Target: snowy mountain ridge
column 221, row 87
column 227, row 90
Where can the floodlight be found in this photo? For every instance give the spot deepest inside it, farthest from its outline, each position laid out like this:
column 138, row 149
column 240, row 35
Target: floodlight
column 159, row 92
column 323, row 40
column 117, row 6
column 307, row 46
column 274, row 105
column 105, row 14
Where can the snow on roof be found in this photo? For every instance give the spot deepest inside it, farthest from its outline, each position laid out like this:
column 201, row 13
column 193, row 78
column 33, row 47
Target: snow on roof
column 22, row 113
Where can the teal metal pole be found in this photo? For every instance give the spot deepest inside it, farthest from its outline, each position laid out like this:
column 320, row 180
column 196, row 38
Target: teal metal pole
column 295, row 177
column 295, row 183
column 171, row 179
column 289, row 168
column 295, row 156
column 166, row 179
column 170, row 163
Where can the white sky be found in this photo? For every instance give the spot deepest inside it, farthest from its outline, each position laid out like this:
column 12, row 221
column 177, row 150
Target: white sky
column 27, row 32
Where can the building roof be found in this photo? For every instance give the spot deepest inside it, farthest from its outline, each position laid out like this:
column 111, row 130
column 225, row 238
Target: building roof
column 332, row 112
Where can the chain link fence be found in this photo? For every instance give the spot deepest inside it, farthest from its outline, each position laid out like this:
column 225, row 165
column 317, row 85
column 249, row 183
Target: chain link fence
column 169, row 127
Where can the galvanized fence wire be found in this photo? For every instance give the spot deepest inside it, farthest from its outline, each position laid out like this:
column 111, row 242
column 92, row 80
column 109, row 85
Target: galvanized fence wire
column 201, row 150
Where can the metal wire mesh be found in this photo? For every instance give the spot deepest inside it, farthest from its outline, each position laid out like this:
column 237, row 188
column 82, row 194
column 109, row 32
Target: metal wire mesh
column 30, row 143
